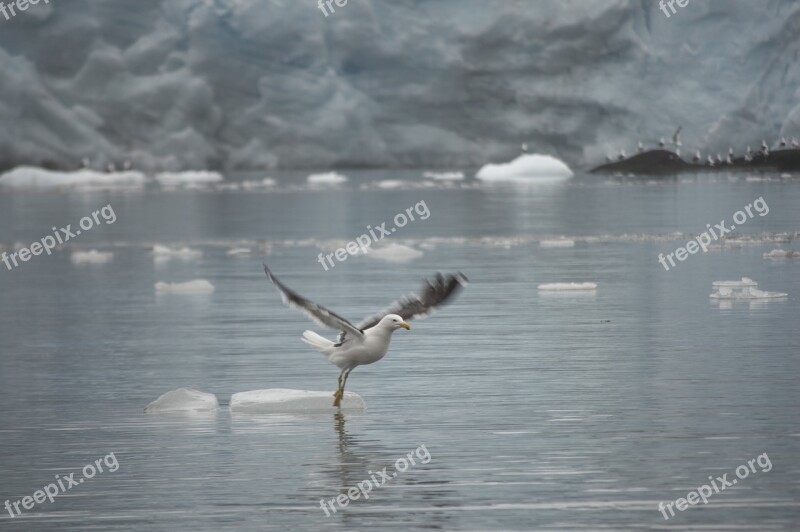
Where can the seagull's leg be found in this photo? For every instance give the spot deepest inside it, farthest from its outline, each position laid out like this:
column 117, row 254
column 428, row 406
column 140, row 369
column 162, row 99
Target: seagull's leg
column 339, row 391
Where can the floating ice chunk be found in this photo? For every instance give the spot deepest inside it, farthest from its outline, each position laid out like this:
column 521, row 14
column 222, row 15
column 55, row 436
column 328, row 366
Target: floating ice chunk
column 201, row 177
column 198, row 286
column 565, row 287
column 744, row 289
column 164, row 253
column 390, row 184
column 527, row 168
column 91, row 257
column 781, row 254
column 264, row 183
column 239, row 252
column 557, row 243
column 279, row 400
column 330, row 178
column 444, row 176
column 28, row 177
column 395, row 253
column 183, row 400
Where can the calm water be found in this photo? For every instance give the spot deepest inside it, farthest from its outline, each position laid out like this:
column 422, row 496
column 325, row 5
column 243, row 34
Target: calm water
column 539, row 412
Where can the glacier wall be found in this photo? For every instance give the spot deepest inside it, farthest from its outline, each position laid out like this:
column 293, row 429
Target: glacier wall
column 246, row 84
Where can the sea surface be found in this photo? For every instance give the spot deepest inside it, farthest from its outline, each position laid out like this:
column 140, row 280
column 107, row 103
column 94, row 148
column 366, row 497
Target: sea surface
column 540, row 411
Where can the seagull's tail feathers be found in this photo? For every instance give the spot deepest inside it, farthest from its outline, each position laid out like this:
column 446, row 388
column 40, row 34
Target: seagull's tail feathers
column 320, row 343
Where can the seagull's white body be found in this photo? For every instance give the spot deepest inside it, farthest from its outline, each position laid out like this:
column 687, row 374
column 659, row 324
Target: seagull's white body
column 357, row 351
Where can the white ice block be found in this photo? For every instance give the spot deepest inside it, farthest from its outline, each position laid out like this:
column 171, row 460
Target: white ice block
column 280, row 400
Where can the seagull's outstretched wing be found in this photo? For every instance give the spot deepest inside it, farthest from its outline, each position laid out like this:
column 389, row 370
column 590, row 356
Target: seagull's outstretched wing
column 435, row 292
column 317, row 313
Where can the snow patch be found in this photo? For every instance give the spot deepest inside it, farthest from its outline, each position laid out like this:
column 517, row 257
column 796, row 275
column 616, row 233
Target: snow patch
column 183, row 400
column 280, row 400
column 526, row 168
column 197, row 286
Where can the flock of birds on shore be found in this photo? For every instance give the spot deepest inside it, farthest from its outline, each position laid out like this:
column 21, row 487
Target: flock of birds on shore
column 710, row 160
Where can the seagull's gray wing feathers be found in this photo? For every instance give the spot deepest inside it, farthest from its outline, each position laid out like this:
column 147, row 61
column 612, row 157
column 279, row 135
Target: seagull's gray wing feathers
column 435, row 293
column 317, row 313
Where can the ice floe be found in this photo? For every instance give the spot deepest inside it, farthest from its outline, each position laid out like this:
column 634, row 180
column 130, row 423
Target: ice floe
column 557, row 243
column 239, row 252
column 197, row 286
column 744, row 289
column 395, row 253
column 526, row 168
column 329, row 178
column 28, row 177
column 279, row 400
column 444, row 176
column 164, row 253
column 567, row 287
column 782, row 254
column 183, row 400
column 91, row 257
column 200, row 177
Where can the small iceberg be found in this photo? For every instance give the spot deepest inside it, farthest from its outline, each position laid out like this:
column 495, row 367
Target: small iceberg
column 527, row 168
column 444, row 176
column 198, row 286
column 567, row 287
column 557, row 243
column 183, row 400
column 91, row 257
column 239, row 252
column 29, row 177
column 164, row 253
column 174, row 179
column 281, row 401
column 744, row 289
column 395, row 253
column 330, row 178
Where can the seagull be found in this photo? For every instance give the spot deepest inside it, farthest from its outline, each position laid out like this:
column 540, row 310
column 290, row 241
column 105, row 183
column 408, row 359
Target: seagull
column 609, row 158
column 696, row 157
column 783, row 142
column 676, row 137
column 368, row 341
column 748, row 156
column 621, row 155
column 641, row 147
column 524, row 147
column 661, row 142
column 710, row 161
column 795, row 143
column 764, row 148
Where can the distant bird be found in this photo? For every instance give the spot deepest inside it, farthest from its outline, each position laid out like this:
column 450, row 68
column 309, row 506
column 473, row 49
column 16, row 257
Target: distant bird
column 678, row 152
column 661, row 142
column 710, row 161
column 719, row 158
column 697, row 157
column 764, row 148
column 622, row 155
column 368, row 341
column 730, row 152
column 676, row 137
column 112, row 168
column 783, row 142
column 795, row 143
column 748, row 156
column 729, row 159
column 524, row 148
column 641, row 147
column 609, row 158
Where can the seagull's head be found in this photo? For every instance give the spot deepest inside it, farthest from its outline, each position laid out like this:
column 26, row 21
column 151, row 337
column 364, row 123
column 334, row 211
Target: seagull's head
column 394, row 322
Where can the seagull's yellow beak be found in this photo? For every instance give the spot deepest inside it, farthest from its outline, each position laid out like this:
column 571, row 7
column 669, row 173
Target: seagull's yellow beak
column 405, row 326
